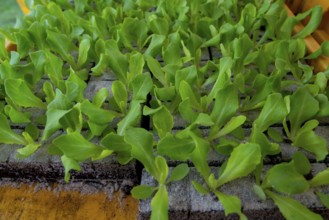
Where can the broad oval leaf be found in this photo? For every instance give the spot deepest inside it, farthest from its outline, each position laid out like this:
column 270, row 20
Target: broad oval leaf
column 285, row 178
column 176, row 148
column 142, row 191
column 179, row 172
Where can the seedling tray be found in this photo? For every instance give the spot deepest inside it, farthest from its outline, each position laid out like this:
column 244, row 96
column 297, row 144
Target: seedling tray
column 145, row 137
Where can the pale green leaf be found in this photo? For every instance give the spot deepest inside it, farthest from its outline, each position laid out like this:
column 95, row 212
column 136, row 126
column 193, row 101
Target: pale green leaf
column 141, row 142
column 76, row 147
column 8, row 136
column 69, row 164
column 176, row 148
column 291, row 209
column 142, row 192
column 242, row 161
column 159, row 204
column 19, row 92
column 179, row 172
column 285, row 178
column 322, row 178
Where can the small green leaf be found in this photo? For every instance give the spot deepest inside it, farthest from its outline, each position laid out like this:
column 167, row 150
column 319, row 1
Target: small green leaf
column 243, row 160
column 141, row 86
column 136, row 65
column 102, row 64
column 324, row 105
column 291, row 209
column 166, row 93
column 324, row 198
column 203, row 120
column 321, row 80
column 19, row 92
column 159, row 204
column 101, row 96
column 39, row 60
column 313, row 143
column 179, row 172
column 76, row 147
column 69, row 164
column 155, row 46
column 275, row 134
column 187, row 92
column 142, row 192
column 72, row 120
column 231, row 125
column 156, row 69
column 163, row 121
column 141, row 142
column 120, row 94
column 162, row 168
column 97, row 115
column 223, row 77
column 158, row 25
column 259, row 192
column 274, row 111
column 60, row 43
column 267, row 147
column 28, row 150
column 7, row 136
column 117, row 61
column 54, row 68
column 200, row 154
column 176, row 148
column 52, row 124
column 301, row 162
column 322, row 178
column 226, row 105
column 132, row 117
column 231, row 204
column 83, row 51
column 115, row 142
column 200, row 188
column 17, row 116
column 285, row 178
column 303, row 106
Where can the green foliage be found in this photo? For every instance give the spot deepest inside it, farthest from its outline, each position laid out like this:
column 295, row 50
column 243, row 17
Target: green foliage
column 154, row 49
column 291, row 209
